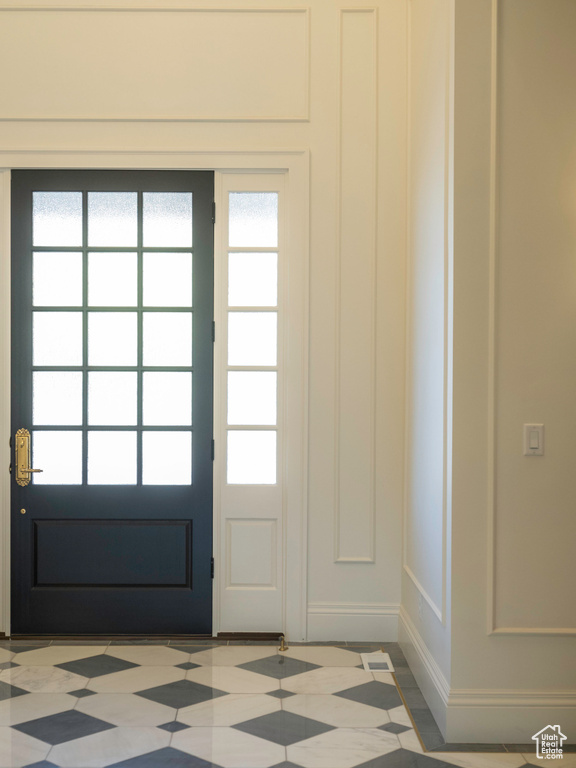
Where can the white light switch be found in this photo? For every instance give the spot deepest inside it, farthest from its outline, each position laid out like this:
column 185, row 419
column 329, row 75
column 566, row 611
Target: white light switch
column 533, row 439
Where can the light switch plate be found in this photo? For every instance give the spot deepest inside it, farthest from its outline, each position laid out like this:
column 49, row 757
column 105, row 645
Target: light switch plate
column 533, row 439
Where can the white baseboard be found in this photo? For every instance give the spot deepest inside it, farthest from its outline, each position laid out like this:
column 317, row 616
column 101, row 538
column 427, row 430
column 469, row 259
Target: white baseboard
column 377, row 622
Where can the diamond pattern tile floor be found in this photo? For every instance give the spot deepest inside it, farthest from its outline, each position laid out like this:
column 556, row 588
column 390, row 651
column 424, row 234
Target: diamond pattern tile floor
column 213, row 705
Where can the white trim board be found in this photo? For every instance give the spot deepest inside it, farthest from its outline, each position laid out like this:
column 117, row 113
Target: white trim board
column 376, row 622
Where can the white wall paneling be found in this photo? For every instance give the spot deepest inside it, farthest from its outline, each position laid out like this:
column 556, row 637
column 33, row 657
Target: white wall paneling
column 376, row 622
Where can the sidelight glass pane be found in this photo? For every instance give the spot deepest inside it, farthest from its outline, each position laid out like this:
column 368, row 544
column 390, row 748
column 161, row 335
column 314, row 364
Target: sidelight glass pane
column 251, row 458
column 167, row 279
column 57, row 280
column 252, row 338
column 113, row 219
column 57, row 398
column 251, row 397
column 167, row 219
column 59, row 455
column 167, row 458
column 112, row 458
column 112, row 279
column 168, row 338
column 167, row 399
column 57, row 338
column 57, row 218
column 112, row 398
column 253, row 220
column 252, row 279
column 112, row 338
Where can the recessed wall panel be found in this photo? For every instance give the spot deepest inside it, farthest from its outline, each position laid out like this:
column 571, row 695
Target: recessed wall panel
column 251, row 554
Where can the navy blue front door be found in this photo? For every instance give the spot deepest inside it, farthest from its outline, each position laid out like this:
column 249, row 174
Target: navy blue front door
column 112, row 377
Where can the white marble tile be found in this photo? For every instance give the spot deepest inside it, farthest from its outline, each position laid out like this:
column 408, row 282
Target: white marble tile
column 336, row 711
column 384, row 677
column 568, row 760
column 59, row 654
column 125, row 709
column 342, row 748
column 232, row 679
column 18, row 749
column 229, row 710
column 108, row 747
column 410, row 741
column 136, row 679
column 32, row 706
column 232, row 655
column 149, row 655
column 400, row 715
column 324, row 655
column 5, row 655
column 43, row 679
column 326, row 680
column 229, row 748
column 482, row 759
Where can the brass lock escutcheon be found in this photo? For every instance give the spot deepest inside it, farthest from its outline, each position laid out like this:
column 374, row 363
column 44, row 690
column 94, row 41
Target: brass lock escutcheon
column 23, row 468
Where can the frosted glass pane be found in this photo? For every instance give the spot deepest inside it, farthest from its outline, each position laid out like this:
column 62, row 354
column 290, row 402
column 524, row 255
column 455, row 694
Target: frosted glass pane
column 59, row 454
column 167, row 219
column 251, row 458
column 112, row 398
column 57, row 398
column 111, row 458
column 251, row 397
column 253, row 219
column 112, row 338
column 167, row 458
column 57, row 280
column 113, row 219
column 168, row 338
column 167, row 399
column 252, row 338
column 112, row 279
column 57, row 338
column 57, row 218
column 252, row 279
column 167, row 279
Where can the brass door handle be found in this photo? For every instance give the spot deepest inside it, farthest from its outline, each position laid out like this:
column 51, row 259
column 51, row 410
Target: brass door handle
column 23, row 468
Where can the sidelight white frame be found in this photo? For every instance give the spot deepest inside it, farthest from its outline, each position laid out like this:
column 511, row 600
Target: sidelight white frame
column 296, row 165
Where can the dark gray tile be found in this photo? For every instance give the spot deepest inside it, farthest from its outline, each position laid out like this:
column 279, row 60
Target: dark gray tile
column 42, row 764
column 286, row 765
column 192, row 648
column 10, row 691
column 524, row 748
column 8, row 665
column 278, row 666
column 16, row 647
column 95, row 666
column 498, row 748
column 405, row 679
column 182, row 693
column 283, row 728
column 280, row 694
column 56, row 729
column 375, row 694
column 173, row 727
column 432, row 740
column 403, row 758
column 424, row 720
column 82, row 693
column 414, row 699
column 394, row 728
column 187, row 665
column 164, row 758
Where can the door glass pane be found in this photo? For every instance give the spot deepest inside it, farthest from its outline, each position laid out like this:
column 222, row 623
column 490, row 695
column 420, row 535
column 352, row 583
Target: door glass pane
column 112, row 338
column 112, row 279
column 57, row 338
column 57, row 218
column 251, row 397
column 167, row 399
column 111, row 458
column 59, row 455
column 57, row 398
column 167, row 279
column 252, row 338
column 167, row 458
column 167, row 219
column 168, row 338
column 57, row 279
column 112, row 398
column 252, row 279
column 253, row 220
column 113, row 219
column 251, row 458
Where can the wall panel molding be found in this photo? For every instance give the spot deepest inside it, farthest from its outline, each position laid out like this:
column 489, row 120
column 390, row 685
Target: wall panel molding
column 355, row 321
column 377, row 622
column 211, row 70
